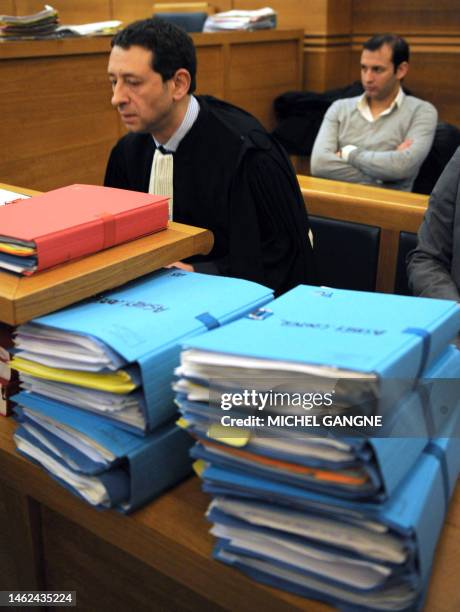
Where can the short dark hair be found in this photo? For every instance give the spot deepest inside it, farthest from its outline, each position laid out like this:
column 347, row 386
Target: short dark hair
column 171, row 47
column 397, row 44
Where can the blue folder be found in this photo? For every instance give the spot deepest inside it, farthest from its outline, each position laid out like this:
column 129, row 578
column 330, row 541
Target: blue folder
column 419, row 416
column 391, row 336
column 141, row 468
column 415, row 511
column 146, row 320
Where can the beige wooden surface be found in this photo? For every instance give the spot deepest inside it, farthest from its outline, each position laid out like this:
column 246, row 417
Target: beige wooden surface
column 22, row 298
column 165, row 544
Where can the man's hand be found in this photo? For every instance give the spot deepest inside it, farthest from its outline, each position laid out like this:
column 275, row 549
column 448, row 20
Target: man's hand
column 405, row 144
column 182, row 266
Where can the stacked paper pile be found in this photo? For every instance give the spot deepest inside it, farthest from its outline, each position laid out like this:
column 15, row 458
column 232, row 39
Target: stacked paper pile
column 261, row 19
column 38, row 25
column 97, row 408
column 347, row 515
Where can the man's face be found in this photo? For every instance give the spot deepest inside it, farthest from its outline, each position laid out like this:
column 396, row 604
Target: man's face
column 378, row 76
column 144, row 101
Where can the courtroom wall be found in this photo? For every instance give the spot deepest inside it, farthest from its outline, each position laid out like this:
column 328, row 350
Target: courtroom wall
column 433, row 32
column 335, row 30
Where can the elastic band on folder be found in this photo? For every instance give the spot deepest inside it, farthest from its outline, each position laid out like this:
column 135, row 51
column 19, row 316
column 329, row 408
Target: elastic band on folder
column 109, row 228
column 426, row 345
column 208, row 320
column 260, row 314
column 434, row 450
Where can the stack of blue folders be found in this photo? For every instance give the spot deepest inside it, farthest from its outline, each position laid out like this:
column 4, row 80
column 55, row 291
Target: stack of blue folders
column 351, row 517
column 96, row 408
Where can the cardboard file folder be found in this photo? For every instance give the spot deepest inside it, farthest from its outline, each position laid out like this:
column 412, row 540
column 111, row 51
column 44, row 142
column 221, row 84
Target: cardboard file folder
column 144, row 323
column 414, row 514
column 134, row 469
column 77, row 220
column 350, row 465
column 339, row 333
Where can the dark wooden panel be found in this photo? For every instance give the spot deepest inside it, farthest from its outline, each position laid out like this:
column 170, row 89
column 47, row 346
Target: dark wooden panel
column 22, row 550
column 8, row 574
column 105, row 577
column 406, row 17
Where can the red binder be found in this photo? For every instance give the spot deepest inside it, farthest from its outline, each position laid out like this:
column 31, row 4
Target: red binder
column 78, row 220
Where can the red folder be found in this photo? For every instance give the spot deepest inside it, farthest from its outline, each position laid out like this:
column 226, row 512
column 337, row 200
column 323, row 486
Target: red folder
column 73, row 221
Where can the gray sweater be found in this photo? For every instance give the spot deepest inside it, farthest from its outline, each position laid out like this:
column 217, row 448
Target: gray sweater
column 375, row 161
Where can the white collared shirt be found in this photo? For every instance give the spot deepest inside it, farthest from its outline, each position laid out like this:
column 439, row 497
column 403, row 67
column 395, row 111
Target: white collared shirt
column 364, row 108
column 161, row 175
column 187, row 122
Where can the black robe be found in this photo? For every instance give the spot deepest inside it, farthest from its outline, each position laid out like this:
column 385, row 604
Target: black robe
column 232, row 178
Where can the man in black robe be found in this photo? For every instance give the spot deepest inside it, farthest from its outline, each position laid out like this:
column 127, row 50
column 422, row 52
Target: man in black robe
column 226, row 174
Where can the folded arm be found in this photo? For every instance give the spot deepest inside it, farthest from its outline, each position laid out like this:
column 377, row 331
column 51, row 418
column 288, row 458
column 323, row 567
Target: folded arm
column 325, row 162
column 402, row 162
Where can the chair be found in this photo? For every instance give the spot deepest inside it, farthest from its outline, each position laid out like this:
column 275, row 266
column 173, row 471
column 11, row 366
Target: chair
column 190, row 16
column 346, row 253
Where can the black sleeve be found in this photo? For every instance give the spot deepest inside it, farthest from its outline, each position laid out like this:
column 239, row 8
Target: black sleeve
column 130, row 163
column 115, row 173
column 269, row 224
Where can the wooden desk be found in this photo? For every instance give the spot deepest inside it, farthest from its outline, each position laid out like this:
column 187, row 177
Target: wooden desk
column 57, row 123
column 391, row 210
column 158, row 558
column 23, row 298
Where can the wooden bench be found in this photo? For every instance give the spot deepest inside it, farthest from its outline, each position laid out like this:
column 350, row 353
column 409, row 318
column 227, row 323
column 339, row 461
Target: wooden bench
column 392, row 212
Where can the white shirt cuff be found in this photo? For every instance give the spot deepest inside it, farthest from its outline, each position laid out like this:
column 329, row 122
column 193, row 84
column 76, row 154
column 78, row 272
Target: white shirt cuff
column 346, row 150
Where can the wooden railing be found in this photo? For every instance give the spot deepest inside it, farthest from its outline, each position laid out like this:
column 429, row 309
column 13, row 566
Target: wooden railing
column 391, row 210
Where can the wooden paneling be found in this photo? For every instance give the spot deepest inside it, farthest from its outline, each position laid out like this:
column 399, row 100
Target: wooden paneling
column 7, row 7
column 311, row 15
column 433, row 31
column 8, row 571
column 129, row 10
column 23, row 541
column 434, row 66
column 434, row 76
column 326, row 65
column 105, row 577
column 211, row 72
column 406, row 17
column 248, row 85
column 63, row 126
column 70, row 11
column 316, row 17
column 390, row 210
